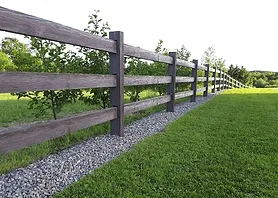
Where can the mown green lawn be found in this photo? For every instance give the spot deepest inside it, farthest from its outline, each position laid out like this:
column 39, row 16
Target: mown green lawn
column 14, row 112
column 227, row 147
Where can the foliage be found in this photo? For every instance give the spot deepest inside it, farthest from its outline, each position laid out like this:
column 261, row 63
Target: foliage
column 183, row 54
column 240, row 74
column 136, row 67
column 209, row 57
column 260, row 83
column 53, row 58
column 21, row 55
column 95, row 62
column 264, row 78
column 159, row 69
column 5, row 63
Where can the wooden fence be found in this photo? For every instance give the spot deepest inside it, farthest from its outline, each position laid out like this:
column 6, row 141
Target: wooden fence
column 20, row 137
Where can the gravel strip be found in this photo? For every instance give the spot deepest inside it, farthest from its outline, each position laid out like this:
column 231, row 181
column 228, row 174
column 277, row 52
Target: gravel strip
column 53, row 173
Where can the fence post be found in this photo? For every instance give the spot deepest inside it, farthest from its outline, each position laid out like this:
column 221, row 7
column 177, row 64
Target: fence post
column 171, row 86
column 205, row 93
column 214, row 80
column 223, row 74
column 194, row 84
column 225, row 81
column 117, row 93
column 219, row 75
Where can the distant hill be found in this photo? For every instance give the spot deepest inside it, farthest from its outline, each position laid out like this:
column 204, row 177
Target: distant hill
column 260, row 71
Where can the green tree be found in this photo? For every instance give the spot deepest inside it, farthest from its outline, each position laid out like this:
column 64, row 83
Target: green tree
column 183, row 54
column 53, row 57
column 159, row 69
column 220, row 64
column 95, row 62
column 21, row 55
column 260, row 83
column 241, row 74
column 209, row 57
column 5, row 63
column 136, row 67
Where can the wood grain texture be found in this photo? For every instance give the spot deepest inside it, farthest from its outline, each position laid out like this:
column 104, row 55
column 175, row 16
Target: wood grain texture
column 201, row 67
column 11, row 82
column 180, row 79
column 217, row 71
column 201, row 89
column 171, row 87
column 17, row 138
column 144, row 104
column 146, row 80
column 184, row 94
column 184, row 63
column 211, row 87
column 201, row 79
column 20, row 23
column 145, row 54
column 211, row 69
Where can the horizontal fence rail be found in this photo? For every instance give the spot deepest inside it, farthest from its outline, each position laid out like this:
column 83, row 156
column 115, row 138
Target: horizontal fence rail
column 31, row 81
column 36, row 133
column 141, row 105
column 11, row 82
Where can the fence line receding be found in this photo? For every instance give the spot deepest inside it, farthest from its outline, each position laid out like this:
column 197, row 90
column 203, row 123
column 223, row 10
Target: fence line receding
column 24, row 24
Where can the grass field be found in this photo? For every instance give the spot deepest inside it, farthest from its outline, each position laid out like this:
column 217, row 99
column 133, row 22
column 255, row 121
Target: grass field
column 14, row 112
column 227, row 147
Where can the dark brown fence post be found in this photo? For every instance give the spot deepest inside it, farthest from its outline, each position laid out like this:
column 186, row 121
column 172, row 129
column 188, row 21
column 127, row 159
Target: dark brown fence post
column 214, row 80
column 117, row 93
column 219, row 81
column 172, row 85
column 227, row 81
column 223, row 80
column 194, row 74
column 205, row 93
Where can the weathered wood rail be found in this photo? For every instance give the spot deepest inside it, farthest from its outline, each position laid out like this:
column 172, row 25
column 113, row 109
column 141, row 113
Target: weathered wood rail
column 20, row 137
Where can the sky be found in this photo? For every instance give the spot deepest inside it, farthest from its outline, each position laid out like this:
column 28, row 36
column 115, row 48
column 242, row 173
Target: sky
column 243, row 32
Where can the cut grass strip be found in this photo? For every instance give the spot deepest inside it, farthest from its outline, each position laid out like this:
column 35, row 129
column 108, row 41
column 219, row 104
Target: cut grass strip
column 227, row 147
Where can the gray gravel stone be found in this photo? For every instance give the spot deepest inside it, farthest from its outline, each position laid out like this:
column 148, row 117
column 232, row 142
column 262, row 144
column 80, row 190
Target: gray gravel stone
column 53, row 173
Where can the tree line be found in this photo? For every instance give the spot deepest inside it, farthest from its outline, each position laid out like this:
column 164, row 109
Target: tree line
column 39, row 55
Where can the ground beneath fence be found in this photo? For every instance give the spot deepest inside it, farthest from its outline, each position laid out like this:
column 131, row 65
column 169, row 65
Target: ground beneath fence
column 55, row 172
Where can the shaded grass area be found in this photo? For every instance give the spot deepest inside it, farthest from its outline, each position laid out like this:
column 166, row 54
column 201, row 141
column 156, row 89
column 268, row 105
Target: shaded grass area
column 227, row 147
column 15, row 111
